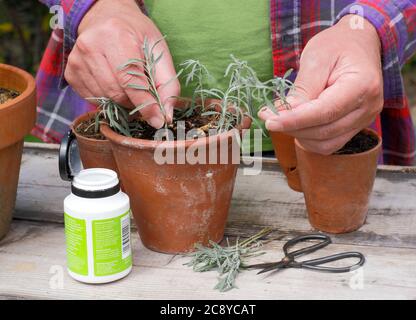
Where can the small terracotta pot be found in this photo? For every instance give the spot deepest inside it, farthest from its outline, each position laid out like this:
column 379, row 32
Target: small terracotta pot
column 94, row 153
column 176, row 205
column 284, row 148
column 17, row 118
column 337, row 188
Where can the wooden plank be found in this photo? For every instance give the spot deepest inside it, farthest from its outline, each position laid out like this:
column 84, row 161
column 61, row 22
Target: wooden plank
column 41, row 191
column 266, row 200
column 32, row 257
column 258, row 201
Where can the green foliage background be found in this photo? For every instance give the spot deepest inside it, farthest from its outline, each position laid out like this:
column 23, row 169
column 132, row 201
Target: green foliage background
column 24, row 32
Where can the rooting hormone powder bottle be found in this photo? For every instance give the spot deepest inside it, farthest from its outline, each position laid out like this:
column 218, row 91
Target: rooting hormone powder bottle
column 97, row 228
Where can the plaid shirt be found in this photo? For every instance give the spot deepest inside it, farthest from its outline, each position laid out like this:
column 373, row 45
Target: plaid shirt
column 293, row 24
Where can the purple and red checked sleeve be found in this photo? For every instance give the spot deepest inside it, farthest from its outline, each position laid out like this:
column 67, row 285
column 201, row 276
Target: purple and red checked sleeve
column 395, row 21
column 74, row 11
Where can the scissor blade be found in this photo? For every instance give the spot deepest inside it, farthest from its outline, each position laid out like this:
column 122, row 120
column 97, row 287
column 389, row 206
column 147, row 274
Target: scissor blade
column 261, row 265
column 275, row 266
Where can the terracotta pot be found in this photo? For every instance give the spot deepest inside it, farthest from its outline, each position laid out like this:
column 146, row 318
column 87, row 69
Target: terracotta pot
column 337, row 188
column 284, row 148
column 176, row 206
column 94, row 153
column 17, row 118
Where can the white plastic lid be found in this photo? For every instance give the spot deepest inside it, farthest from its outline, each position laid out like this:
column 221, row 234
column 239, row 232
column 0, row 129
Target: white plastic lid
column 95, row 179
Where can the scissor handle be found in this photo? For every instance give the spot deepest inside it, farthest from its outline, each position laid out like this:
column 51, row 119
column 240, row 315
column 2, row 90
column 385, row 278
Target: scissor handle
column 316, row 264
column 324, row 241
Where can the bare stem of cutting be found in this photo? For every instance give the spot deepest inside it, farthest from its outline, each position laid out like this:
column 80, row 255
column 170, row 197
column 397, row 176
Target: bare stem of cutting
column 229, row 260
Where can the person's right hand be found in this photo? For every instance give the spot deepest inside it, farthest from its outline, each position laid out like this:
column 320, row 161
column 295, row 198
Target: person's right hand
column 108, row 36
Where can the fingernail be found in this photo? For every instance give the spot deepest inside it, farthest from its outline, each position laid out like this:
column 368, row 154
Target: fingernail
column 156, row 122
column 169, row 113
column 263, row 109
column 273, row 125
column 169, row 119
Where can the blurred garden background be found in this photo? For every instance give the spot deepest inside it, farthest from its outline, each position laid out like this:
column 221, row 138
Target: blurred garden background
column 24, row 32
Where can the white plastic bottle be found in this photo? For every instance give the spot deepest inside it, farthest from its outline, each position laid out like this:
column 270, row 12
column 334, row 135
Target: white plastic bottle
column 97, row 228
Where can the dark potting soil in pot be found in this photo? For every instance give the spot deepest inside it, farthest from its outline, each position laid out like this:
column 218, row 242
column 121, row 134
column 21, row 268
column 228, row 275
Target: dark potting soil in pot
column 361, row 142
column 7, row 94
column 87, row 129
column 200, row 124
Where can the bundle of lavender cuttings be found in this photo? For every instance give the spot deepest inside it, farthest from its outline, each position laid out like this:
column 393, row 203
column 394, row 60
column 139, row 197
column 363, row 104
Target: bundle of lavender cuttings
column 229, row 260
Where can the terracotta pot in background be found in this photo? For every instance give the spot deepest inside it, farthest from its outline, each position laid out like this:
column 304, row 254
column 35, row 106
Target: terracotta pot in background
column 337, row 188
column 176, row 206
column 17, row 118
column 284, row 148
column 94, row 153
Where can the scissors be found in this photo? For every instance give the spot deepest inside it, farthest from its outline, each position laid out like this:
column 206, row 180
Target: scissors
column 289, row 261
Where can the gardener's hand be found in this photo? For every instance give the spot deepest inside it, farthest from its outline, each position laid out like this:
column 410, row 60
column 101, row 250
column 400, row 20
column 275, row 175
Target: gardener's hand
column 339, row 88
column 109, row 35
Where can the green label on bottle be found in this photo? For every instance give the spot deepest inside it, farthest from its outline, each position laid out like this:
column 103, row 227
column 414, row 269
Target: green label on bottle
column 76, row 245
column 111, row 243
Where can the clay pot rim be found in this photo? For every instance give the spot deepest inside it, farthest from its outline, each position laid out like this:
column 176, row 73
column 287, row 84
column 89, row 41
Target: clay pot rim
column 355, row 155
column 26, row 94
column 153, row 144
column 78, row 120
column 136, row 143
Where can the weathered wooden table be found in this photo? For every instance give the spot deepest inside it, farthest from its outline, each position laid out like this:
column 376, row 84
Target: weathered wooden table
column 32, row 256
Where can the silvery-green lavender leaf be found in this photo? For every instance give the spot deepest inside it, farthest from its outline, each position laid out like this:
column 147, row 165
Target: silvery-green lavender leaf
column 137, row 87
column 141, row 106
column 131, row 62
column 135, row 73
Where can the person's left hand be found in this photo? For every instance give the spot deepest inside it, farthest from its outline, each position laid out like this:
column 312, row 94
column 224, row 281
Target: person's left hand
column 338, row 90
